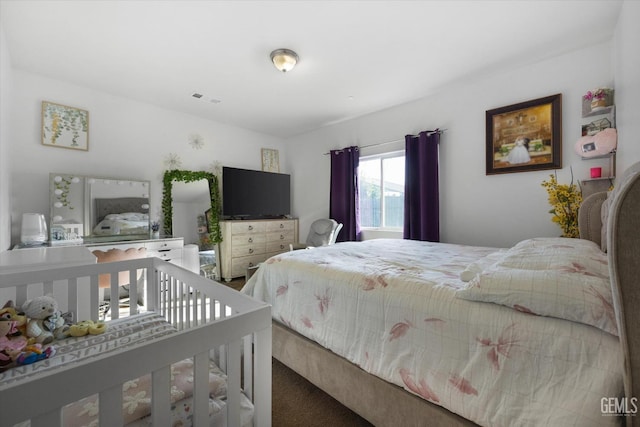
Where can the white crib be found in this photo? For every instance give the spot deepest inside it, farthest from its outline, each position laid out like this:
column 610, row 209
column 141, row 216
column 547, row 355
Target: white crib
column 209, row 318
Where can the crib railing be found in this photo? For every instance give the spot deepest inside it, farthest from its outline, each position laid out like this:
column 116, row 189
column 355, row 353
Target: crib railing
column 210, row 318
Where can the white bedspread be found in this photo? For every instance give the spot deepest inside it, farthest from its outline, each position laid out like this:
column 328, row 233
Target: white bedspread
column 390, row 307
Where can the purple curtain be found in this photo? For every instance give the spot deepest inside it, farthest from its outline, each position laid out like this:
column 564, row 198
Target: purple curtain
column 421, row 194
column 343, row 203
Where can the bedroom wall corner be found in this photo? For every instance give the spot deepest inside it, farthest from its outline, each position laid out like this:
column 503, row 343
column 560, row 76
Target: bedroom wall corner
column 5, row 131
column 626, row 60
column 128, row 139
column 475, row 209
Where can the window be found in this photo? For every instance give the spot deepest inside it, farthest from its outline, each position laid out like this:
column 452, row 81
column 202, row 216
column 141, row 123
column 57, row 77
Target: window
column 381, row 181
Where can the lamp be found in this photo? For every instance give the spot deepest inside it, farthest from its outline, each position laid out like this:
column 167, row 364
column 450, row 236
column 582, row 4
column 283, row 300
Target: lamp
column 34, row 229
column 284, row 59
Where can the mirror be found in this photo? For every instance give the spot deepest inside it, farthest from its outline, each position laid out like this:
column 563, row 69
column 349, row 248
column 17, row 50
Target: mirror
column 191, row 209
column 85, row 208
column 190, row 202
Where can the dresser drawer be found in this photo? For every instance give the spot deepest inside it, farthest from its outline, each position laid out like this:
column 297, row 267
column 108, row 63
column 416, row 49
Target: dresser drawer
column 280, row 236
column 287, row 225
column 277, row 247
column 167, row 255
column 163, row 245
column 247, row 227
column 247, row 250
column 247, row 239
column 239, row 266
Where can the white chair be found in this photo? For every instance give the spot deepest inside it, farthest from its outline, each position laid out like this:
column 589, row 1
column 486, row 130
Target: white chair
column 323, row 232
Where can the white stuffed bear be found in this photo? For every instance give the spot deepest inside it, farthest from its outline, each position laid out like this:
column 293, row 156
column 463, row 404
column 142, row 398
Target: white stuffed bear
column 45, row 320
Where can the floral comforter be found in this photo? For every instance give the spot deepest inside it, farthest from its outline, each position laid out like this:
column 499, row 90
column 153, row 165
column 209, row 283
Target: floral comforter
column 396, row 309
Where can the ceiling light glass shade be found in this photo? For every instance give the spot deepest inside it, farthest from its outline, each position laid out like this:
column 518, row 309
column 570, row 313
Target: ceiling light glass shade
column 284, row 59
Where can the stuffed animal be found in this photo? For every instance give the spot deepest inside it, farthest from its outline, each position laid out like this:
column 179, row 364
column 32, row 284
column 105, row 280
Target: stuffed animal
column 45, row 320
column 9, row 313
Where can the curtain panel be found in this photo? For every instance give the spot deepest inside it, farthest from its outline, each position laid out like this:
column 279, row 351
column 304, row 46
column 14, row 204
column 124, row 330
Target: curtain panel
column 343, row 203
column 421, row 196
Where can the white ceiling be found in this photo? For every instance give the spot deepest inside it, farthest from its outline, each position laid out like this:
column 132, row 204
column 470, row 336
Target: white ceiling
column 356, row 57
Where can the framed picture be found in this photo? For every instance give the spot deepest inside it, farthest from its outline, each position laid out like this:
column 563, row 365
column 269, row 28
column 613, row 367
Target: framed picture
column 525, row 137
column 65, row 127
column 270, row 160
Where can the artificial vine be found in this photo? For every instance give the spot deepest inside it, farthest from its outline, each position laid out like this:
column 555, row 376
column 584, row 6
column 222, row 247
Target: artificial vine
column 190, row 176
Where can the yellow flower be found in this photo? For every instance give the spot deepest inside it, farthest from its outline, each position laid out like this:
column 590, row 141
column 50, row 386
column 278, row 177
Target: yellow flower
column 565, row 201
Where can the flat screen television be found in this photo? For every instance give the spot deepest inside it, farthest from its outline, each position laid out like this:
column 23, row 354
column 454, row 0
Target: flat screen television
column 252, row 194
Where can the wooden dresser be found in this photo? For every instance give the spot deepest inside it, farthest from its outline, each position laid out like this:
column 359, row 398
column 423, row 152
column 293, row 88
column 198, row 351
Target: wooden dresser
column 247, row 243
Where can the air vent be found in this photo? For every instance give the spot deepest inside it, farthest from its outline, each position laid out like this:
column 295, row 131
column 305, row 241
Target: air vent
column 206, row 98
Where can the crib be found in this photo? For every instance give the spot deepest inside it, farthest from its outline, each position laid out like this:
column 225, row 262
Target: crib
column 206, row 322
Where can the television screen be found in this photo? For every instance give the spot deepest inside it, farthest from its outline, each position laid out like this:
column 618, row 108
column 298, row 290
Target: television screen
column 255, row 194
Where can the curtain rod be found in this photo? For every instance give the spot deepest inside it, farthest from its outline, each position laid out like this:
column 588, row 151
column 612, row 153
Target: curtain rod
column 440, row 131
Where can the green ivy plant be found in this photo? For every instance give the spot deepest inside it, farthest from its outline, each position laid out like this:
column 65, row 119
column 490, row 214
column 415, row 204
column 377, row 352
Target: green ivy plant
column 190, row 176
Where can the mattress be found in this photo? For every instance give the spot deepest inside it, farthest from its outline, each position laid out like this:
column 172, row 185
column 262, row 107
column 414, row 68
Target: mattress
column 121, row 334
column 394, row 308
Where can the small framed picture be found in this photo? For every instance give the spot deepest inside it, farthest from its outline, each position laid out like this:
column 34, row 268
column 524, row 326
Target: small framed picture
column 525, row 137
column 65, row 127
column 270, row 160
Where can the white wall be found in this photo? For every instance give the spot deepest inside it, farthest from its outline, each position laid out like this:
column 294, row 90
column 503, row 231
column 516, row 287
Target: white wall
column 5, row 159
column 627, row 83
column 497, row 210
column 127, row 139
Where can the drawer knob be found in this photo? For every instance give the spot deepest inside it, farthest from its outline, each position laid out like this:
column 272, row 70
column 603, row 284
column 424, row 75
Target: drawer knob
column 250, row 239
column 281, row 225
column 281, row 237
column 281, row 246
column 250, row 251
column 251, row 227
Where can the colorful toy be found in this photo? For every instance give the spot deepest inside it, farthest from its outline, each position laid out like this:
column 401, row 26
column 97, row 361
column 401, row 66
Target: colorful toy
column 87, row 327
column 9, row 313
column 33, row 353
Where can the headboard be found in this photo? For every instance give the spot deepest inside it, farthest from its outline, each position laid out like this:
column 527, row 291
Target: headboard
column 119, row 205
column 623, row 247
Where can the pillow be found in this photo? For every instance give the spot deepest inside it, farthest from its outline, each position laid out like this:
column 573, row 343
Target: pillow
column 132, row 216
column 556, row 277
column 114, row 217
column 476, row 267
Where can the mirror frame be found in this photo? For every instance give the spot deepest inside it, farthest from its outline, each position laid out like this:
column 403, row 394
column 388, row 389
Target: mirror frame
column 84, row 206
column 190, row 176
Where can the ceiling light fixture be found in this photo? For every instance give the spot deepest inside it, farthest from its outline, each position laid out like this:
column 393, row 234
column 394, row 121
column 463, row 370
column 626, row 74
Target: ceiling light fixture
column 284, row 59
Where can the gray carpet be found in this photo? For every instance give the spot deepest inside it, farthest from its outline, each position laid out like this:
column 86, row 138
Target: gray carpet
column 297, row 403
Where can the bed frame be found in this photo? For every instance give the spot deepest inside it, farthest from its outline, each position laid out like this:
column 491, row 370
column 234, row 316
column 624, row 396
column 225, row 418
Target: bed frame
column 222, row 321
column 384, row 404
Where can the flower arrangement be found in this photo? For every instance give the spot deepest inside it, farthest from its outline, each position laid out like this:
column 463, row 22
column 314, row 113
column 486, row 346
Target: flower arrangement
column 598, row 98
column 565, row 200
column 155, row 226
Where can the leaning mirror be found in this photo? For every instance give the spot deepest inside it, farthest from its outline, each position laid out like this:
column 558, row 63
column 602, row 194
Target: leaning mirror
column 190, row 209
column 93, row 209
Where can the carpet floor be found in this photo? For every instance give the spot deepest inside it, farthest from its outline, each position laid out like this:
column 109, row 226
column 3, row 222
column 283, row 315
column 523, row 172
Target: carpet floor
column 297, row 403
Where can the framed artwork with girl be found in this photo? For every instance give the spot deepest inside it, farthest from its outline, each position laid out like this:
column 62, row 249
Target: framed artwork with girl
column 524, row 137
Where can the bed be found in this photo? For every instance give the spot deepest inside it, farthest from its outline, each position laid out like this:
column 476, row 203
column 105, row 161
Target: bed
column 404, row 331
column 121, row 216
column 197, row 353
